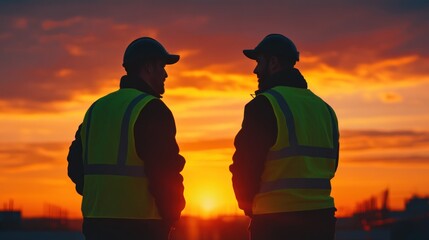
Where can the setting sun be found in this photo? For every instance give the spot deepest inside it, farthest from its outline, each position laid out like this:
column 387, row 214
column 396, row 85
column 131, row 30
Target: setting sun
column 208, row 204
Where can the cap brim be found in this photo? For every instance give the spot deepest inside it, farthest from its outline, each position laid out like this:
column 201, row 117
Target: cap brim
column 250, row 53
column 172, row 59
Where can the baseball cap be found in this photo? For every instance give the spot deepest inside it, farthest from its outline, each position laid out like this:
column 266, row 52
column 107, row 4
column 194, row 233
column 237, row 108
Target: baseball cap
column 145, row 48
column 276, row 45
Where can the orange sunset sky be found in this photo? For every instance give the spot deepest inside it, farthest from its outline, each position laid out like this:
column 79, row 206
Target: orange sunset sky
column 368, row 59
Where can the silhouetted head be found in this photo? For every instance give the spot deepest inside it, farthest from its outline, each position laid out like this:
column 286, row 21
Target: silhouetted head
column 145, row 57
column 274, row 53
column 146, row 49
column 275, row 45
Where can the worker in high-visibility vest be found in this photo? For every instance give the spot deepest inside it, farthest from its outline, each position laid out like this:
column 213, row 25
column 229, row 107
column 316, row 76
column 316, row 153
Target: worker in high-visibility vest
column 286, row 151
column 125, row 160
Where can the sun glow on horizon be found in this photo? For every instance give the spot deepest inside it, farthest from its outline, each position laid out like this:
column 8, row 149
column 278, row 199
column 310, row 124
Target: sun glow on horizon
column 208, row 204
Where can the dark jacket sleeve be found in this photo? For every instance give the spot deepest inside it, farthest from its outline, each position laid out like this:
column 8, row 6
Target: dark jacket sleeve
column 156, row 145
column 252, row 143
column 75, row 162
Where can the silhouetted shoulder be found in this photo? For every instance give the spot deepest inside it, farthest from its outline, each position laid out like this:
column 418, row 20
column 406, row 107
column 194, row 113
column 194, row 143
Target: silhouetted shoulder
column 158, row 109
column 260, row 105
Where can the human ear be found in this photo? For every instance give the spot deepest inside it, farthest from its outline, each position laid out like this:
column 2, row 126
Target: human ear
column 273, row 64
column 148, row 68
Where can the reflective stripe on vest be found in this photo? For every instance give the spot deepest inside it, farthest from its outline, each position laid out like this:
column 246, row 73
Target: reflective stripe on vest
column 294, row 149
column 305, row 183
column 120, row 169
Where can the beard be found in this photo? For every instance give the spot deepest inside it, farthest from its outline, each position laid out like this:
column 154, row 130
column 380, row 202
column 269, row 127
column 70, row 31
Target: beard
column 263, row 77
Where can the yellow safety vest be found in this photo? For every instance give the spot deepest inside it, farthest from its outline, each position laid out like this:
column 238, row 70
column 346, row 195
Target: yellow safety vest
column 303, row 160
column 115, row 185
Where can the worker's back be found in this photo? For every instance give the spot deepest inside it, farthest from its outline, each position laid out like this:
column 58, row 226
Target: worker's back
column 115, row 185
column 303, row 159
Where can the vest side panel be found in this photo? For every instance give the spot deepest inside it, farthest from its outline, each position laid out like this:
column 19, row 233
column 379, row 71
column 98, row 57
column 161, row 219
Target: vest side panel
column 133, row 158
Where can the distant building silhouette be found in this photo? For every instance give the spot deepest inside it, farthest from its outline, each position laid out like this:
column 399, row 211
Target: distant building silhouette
column 9, row 217
column 378, row 222
column 416, row 206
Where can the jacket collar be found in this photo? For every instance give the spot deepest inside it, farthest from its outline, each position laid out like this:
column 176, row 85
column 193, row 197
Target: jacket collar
column 288, row 77
column 129, row 81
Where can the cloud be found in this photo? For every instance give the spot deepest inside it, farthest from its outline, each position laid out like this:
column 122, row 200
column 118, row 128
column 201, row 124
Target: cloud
column 371, row 42
column 386, row 147
column 391, row 97
column 51, row 24
column 207, row 79
column 75, row 50
column 357, row 140
column 64, row 72
column 30, row 157
column 46, row 69
column 391, row 159
column 206, row 145
column 21, row 23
